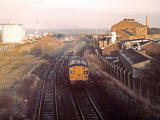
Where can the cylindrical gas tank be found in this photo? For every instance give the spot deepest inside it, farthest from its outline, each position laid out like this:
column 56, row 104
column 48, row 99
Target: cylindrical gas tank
column 12, row 33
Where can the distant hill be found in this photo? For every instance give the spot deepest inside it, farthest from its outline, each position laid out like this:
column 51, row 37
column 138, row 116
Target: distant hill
column 67, row 31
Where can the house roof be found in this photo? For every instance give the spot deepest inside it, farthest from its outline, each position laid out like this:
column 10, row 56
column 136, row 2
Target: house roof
column 135, row 40
column 152, row 49
column 133, row 56
column 111, row 50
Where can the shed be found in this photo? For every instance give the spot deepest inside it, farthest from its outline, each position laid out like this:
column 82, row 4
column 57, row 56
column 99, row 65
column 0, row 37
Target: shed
column 111, row 50
column 152, row 49
column 134, row 61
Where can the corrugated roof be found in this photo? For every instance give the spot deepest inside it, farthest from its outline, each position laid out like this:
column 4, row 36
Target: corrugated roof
column 134, row 57
column 152, row 49
column 152, row 31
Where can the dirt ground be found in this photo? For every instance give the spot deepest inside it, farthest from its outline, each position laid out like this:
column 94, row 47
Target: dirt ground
column 20, row 72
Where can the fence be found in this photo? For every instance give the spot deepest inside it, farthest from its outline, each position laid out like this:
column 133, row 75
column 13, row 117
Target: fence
column 141, row 88
column 5, row 48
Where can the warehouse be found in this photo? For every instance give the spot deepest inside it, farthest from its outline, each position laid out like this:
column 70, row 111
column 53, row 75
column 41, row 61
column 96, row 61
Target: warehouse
column 11, row 33
column 134, row 61
column 129, row 29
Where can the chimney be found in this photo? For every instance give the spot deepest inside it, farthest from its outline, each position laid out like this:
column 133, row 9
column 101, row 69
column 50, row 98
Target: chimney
column 147, row 21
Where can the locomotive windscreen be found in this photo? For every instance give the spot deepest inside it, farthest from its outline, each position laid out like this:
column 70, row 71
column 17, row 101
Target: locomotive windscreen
column 77, row 62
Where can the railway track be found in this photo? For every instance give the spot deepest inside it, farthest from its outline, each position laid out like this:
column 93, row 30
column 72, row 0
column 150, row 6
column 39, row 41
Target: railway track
column 47, row 100
column 55, row 102
column 46, row 107
column 58, row 102
column 86, row 106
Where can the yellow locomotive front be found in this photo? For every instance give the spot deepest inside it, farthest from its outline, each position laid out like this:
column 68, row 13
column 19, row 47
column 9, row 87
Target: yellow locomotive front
column 78, row 70
column 78, row 73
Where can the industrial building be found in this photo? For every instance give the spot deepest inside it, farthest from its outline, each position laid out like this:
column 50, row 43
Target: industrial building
column 152, row 49
column 103, row 40
column 134, row 61
column 131, row 34
column 129, row 29
column 11, row 33
column 114, row 48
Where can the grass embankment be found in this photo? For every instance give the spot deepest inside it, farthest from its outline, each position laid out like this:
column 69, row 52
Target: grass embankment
column 19, row 77
column 93, row 61
column 119, row 94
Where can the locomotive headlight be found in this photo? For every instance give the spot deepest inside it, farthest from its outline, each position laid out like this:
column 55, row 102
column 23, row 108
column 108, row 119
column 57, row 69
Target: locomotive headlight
column 85, row 72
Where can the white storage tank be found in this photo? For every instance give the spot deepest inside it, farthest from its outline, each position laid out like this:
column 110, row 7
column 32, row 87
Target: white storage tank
column 113, row 37
column 12, row 33
column 1, row 27
column 23, row 34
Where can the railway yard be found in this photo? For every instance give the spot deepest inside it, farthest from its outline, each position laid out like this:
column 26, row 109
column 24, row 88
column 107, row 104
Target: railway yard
column 60, row 95
column 59, row 100
column 80, row 60
column 97, row 99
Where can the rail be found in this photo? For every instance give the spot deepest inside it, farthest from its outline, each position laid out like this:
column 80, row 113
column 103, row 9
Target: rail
column 86, row 106
column 94, row 105
column 42, row 92
column 48, row 94
column 55, row 93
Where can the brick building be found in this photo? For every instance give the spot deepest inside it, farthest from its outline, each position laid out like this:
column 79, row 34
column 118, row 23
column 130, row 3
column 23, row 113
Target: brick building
column 129, row 29
column 135, row 62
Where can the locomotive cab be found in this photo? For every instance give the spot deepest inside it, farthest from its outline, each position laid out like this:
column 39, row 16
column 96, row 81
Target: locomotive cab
column 78, row 70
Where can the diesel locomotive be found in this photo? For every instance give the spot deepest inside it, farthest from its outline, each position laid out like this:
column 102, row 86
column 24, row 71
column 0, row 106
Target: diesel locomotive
column 78, row 70
column 77, row 67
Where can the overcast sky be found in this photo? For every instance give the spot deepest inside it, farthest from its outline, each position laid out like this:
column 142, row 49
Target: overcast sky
column 77, row 13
